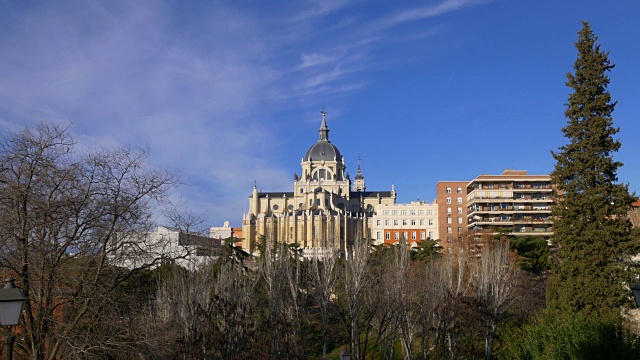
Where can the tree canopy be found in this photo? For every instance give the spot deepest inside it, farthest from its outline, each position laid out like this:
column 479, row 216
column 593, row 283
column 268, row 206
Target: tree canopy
column 592, row 232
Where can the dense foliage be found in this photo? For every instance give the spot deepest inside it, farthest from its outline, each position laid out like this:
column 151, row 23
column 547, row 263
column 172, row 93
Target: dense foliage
column 577, row 336
column 592, row 231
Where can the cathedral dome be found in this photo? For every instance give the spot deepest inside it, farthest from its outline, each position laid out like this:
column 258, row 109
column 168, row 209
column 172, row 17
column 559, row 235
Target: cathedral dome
column 323, row 149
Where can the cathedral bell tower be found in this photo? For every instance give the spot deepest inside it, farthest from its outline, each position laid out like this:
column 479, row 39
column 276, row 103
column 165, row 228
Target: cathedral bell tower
column 358, row 182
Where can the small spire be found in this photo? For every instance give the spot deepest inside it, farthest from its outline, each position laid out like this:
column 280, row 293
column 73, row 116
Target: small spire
column 359, row 173
column 324, row 130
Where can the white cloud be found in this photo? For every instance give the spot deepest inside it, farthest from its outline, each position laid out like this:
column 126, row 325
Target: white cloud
column 315, row 59
column 425, row 12
column 320, row 8
column 199, row 86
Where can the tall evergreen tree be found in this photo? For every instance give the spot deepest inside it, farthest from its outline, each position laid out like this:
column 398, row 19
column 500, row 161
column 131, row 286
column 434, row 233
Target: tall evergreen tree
column 592, row 231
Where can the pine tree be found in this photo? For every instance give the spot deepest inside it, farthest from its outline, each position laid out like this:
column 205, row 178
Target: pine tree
column 592, row 231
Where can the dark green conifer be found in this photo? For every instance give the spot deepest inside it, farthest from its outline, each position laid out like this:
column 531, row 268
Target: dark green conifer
column 592, row 231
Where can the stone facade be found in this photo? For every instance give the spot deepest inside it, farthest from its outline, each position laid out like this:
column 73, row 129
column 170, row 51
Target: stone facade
column 325, row 210
column 414, row 222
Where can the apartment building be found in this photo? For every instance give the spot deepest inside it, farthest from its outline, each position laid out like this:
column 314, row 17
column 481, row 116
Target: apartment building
column 451, row 197
column 414, row 222
column 513, row 201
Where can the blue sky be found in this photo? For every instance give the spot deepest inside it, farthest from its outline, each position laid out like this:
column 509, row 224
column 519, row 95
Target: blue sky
column 226, row 93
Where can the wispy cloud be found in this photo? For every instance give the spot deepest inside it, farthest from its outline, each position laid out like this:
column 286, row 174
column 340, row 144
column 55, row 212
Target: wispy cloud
column 199, row 85
column 319, row 8
column 315, row 59
column 421, row 13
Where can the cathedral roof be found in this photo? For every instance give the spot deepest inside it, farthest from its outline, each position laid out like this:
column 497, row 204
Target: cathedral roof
column 275, row 194
column 323, row 149
column 367, row 194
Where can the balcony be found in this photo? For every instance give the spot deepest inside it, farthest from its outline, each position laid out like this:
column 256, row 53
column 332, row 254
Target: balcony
column 532, row 199
column 490, row 221
column 533, row 186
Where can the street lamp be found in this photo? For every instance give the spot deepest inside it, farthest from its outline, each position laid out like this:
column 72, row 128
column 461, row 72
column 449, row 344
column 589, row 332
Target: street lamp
column 636, row 293
column 11, row 303
column 345, row 355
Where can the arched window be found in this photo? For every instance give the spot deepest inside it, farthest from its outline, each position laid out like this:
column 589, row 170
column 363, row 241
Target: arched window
column 322, row 174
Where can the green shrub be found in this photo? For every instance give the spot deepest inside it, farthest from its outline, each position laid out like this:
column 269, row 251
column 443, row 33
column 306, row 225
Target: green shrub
column 572, row 337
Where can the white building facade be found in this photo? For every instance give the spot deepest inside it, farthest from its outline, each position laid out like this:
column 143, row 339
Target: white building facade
column 414, row 222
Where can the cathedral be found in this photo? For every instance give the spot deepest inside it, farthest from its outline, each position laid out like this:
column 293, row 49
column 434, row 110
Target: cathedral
column 326, row 209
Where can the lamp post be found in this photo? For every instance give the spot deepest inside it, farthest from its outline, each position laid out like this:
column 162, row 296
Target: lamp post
column 345, row 355
column 636, row 293
column 11, row 304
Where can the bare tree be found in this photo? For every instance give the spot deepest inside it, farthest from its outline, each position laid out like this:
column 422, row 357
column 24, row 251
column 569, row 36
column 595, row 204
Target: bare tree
column 448, row 280
column 184, row 301
column 356, row 282
column 494, row 279
column 403, row 295
column 185, row 220
column 323, row 279
column 59, row 214
column 233, row 309
column 274, row 267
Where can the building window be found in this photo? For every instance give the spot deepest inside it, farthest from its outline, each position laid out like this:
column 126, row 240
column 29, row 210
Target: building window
column 387, row 235
column 430, row 234
column 459, row 200
column 421, row 222
column 459, row 210
column 448, row 220
column 405, row 235
column 395, row 222
column 459, row 190
column 422, row 235
column 459, row 220
column 378, row 222
column 395, row 212
column 420, row 212
column 430, row 222
column 386, row 212
column 412, row 212
column 404, row 222
column 449, row 231
column 396, row 235
column 459, row 230
column 429, row 212
column 448, row 190
column 404, row 212
column 449, row 200
column 413, row 221
column 448, row 210
column 459, row 238
column 379, row 235
column 413, row 235
column 386, row 223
